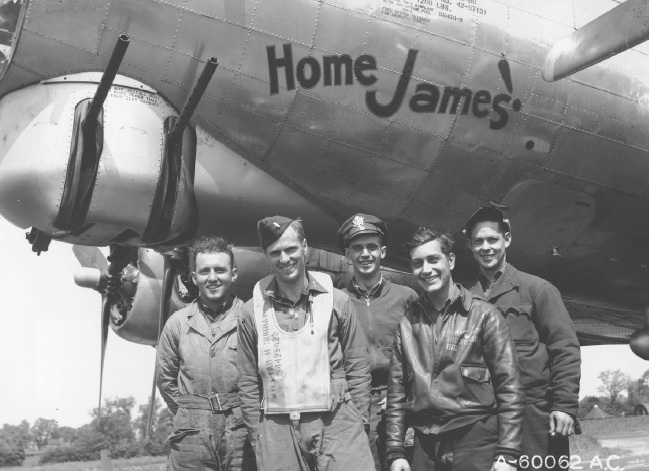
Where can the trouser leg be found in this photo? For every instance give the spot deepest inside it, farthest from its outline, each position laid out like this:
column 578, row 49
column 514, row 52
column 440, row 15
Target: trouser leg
column 377, row 430
column 538, row 448
column 474, row 447
column 345, row 445
column 276, row 448
column 191, row 442
column 470, row 448
column 235, row 451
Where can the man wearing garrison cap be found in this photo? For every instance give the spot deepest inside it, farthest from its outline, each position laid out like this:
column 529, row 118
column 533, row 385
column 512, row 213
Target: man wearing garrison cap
column 543, row 333
column 379, row 305
column 304, row 370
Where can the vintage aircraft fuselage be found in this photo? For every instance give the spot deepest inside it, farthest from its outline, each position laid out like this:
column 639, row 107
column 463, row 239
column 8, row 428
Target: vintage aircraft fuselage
column 418, row 111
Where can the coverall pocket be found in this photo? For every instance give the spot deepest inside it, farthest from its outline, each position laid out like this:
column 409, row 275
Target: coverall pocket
column 178, row 435
column 520, row 323
column 478, row 391
column 236, row 418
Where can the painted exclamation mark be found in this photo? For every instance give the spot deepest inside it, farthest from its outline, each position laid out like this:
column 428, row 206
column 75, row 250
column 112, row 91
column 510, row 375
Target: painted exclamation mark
column 503, row 67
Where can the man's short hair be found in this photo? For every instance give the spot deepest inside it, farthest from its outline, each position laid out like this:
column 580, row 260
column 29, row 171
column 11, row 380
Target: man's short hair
column 298, row 227
column 209, row 244
column 423, row 235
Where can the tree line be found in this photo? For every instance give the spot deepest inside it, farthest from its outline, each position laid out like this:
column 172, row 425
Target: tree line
column 620, row 394
column 115, row 429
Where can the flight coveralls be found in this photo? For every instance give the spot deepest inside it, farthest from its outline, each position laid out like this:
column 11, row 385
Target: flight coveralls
column 333, row 440
column 379, row 312
column 197, row 377
column 548, row 354
column 454, row 376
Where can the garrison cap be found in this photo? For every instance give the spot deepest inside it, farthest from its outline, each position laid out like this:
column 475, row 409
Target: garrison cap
column 361, row 224
column 271, row 228
column 486, row 213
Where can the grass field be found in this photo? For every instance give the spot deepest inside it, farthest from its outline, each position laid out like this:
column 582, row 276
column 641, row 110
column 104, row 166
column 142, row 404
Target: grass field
column 142, row 463
column 585, row 446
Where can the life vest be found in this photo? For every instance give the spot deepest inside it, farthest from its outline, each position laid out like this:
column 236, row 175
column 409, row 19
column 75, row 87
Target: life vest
column 294, row 366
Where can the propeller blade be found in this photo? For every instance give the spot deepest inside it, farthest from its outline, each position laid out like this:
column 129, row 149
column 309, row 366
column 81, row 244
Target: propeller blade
column 105, row 320
column 617, row 30
column 90, row 257
column 172, row 261
column 119, row 257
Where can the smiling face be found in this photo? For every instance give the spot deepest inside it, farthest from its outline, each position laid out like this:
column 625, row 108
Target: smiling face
column 366, row 252
column 488, row 245
column 432, row 269
column 214, row 275
column 287, row 257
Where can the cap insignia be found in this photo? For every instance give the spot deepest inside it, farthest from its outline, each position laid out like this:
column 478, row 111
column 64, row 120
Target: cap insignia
column 276, row 225
column 358, row 221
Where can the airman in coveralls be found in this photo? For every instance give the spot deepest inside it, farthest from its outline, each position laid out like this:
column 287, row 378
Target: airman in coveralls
column 197, row 372
column 305, row 372
column 379, row 305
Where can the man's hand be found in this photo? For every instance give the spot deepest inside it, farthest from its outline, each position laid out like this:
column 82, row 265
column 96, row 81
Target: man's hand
column 502, row 465
column 561, row 423
column 401, row 464
column 382, row 403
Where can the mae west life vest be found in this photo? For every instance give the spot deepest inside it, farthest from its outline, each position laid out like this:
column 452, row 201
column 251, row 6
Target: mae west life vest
column 294, row 366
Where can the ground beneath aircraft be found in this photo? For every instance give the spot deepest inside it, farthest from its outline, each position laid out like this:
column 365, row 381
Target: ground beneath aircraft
column 635, row 442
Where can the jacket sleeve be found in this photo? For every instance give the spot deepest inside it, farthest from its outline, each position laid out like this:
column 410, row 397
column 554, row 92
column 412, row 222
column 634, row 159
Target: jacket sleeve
column 501, row 359
column 249, row 379
column 557, row 332
column 395, row 412
column 168, row 364
column 355, row 355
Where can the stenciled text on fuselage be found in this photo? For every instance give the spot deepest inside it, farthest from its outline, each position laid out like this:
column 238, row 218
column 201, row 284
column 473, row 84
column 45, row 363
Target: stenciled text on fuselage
column 340, row 70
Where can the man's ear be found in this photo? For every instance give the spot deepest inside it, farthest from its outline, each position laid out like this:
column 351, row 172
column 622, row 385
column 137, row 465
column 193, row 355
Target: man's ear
column 347, row 252
column 194, row 278
column 384, row 251
column 451, row 260
column 508, row 239
column 235, row 274
column 306, row 247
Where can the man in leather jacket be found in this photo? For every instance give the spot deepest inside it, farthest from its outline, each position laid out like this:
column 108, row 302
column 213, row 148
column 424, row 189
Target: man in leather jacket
column 453, row 372
column 544, row 336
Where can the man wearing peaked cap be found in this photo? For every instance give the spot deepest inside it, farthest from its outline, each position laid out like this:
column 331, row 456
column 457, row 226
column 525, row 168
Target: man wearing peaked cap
column 380, row 305
column 303, row 362
column 544, row 336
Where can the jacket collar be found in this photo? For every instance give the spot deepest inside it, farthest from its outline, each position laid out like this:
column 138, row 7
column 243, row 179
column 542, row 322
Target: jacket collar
column 196, row 320
column 462, row 301
column 508, row 281
column 375, row 292
column 269, row 287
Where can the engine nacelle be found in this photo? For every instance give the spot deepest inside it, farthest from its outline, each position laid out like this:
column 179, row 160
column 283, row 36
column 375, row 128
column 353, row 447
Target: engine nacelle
column 37, row 165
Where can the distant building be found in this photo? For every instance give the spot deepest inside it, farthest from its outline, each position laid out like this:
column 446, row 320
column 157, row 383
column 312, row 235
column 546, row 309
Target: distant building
column 597, row 413
column 641, row 409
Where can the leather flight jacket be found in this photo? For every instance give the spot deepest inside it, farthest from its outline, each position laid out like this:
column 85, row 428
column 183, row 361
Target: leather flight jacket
column 454, row 372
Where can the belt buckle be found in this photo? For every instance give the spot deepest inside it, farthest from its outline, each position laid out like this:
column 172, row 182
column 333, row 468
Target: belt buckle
column 212, row 405
column 294, row 416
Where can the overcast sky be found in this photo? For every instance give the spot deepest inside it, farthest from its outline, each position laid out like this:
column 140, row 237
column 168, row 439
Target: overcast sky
column 50, row 342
